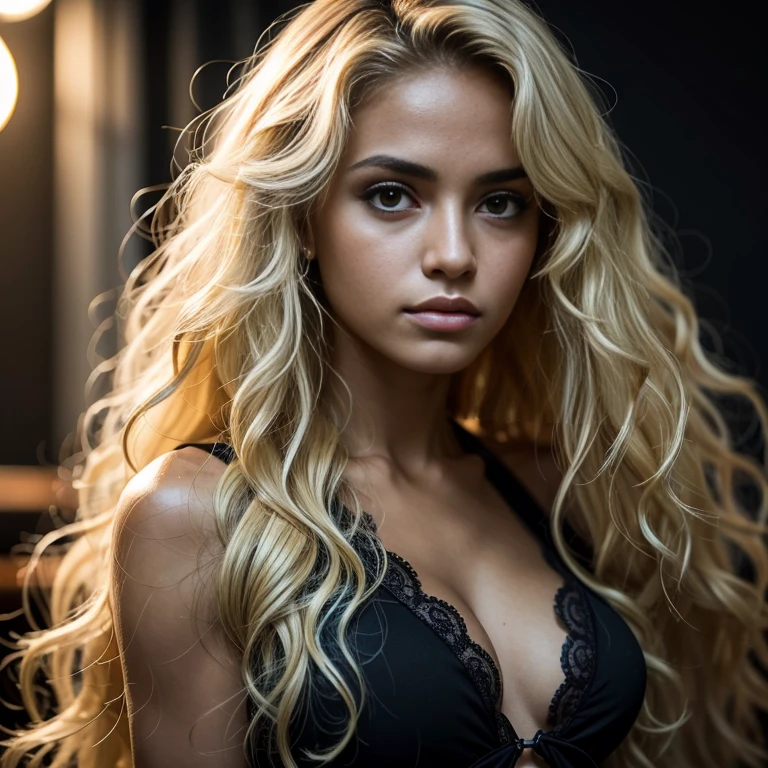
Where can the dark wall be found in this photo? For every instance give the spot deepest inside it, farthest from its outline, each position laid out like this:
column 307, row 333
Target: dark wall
column 686, row 82
column 197, row 34
column 26, row 217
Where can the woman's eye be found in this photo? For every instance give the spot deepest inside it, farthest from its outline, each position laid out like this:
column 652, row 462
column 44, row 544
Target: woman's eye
column 393, row 198
column 390, row 197
column 499, row 203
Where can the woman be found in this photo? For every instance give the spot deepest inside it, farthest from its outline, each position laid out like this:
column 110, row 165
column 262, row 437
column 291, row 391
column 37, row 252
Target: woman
column 408, row 452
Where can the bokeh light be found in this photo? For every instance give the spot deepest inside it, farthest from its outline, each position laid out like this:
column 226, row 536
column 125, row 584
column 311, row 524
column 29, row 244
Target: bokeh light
column 9, row 84
column 18, row 10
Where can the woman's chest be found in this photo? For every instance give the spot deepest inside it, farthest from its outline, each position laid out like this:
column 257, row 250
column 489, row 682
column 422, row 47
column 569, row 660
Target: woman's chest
column 468, row 549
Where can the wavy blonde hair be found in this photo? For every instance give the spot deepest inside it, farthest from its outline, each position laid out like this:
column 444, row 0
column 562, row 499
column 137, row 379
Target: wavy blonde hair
column 225, row 338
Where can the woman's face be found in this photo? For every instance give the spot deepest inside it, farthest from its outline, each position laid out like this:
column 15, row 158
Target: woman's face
column 429, row 200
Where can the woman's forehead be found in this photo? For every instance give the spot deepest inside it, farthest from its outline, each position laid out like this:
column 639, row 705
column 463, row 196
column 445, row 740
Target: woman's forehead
column 432, row 113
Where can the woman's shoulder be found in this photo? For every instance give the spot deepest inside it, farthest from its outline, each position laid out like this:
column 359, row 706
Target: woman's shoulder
column 181, row 669
column 177, row 487
column 190, row 462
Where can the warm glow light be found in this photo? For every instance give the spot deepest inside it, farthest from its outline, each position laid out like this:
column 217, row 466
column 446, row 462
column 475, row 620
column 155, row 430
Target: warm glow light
column 18, row 10
column 9, row 84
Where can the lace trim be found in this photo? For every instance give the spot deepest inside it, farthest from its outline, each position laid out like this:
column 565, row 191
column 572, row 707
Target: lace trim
column 577, row 658
column 402, row 580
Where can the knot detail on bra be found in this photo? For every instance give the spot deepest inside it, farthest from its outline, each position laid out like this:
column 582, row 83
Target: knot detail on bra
column 554, row 750
column 525, row 743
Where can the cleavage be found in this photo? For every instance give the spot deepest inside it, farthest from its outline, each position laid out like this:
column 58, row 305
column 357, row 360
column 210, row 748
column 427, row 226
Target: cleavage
column 471, row 551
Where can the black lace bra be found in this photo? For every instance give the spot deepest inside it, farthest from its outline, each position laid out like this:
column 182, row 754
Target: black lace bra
column 434, row 695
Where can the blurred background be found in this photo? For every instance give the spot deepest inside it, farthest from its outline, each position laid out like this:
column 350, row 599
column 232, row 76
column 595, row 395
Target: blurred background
column 94, row 92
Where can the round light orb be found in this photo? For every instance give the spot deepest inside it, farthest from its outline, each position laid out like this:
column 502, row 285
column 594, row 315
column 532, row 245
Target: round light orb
column 18, row 10
column 9, row 84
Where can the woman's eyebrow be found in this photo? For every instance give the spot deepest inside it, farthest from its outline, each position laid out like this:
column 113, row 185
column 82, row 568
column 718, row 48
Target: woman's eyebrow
column 408, row 168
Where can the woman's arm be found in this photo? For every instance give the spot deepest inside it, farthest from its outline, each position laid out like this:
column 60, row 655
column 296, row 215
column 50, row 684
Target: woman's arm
column 185, row 696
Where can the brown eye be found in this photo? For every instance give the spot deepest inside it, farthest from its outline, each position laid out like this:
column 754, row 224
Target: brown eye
column 391, row 197
column 499, row 205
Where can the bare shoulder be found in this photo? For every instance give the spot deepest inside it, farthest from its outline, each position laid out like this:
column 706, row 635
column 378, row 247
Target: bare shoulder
column 170, row 497
column 185, row 695
column 165, row 540
column 533, row 465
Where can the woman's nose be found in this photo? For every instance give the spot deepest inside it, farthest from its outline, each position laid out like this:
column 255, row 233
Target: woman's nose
column 448, row 243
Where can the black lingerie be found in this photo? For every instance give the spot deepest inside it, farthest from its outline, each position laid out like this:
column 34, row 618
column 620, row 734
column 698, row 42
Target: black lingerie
column 434, row 695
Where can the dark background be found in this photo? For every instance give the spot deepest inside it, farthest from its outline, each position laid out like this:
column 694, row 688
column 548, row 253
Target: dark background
column 684, row 83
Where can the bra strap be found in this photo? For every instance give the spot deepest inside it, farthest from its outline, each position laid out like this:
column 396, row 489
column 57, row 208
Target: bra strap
column 519, row 498
column 219, row 450
column 505, row 481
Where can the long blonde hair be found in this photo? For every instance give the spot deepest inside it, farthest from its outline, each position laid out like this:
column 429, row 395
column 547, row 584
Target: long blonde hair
column 226, row 337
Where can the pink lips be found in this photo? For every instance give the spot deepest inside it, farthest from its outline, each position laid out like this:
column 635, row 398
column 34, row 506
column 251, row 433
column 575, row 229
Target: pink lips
column 444, row 313
column 443, row 321
column 446, row 304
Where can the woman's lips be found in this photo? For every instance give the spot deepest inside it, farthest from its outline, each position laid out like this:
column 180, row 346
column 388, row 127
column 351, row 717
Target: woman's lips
column 442, row 321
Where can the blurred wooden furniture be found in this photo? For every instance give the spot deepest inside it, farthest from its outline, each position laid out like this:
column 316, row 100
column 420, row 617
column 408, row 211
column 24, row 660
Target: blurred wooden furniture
column 27, row 495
